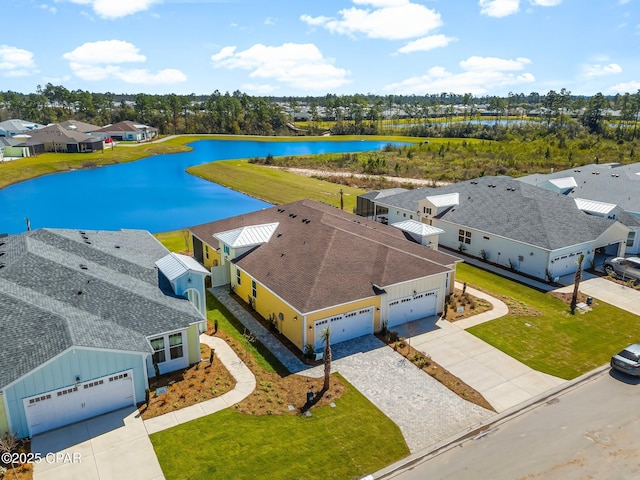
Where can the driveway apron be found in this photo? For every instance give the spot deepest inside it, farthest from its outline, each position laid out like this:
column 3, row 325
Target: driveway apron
column 114, row 446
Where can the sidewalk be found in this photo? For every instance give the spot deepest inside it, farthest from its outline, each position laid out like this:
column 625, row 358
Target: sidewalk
column 503, row 381
column 245, row 384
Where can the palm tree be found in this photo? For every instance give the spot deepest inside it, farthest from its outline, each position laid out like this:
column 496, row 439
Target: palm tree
column 576, row 284
column 326, row 336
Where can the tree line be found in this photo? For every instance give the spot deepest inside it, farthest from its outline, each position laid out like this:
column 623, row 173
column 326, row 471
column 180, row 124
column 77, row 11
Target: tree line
column 443, row 114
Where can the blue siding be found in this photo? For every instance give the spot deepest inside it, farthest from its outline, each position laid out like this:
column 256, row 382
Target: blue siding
column 61, row 372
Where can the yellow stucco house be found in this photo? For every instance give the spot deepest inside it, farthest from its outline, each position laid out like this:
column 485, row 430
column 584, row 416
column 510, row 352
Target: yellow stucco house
column 306, row 266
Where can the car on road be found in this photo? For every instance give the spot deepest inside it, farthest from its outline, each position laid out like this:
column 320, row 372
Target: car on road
column 628, row 360
column 625, row 268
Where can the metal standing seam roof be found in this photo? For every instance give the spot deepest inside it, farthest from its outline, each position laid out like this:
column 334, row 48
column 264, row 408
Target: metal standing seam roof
column 419, row 228
column 593, row 206
column 445, row 200
column 564, row 182
column 248, row 236
column 175, row 265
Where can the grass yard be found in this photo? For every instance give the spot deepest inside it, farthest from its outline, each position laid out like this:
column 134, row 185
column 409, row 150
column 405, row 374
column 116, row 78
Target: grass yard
column 541, row 332
column 273, row 185
column 332, row 443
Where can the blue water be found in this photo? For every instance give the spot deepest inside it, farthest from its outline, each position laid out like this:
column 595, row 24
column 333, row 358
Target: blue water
column 154, row 194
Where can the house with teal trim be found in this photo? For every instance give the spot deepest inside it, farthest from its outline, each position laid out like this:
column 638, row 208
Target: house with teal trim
column 85, row 318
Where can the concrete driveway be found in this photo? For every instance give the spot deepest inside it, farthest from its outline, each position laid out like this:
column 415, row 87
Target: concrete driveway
column 610, row 292
column 114, row 446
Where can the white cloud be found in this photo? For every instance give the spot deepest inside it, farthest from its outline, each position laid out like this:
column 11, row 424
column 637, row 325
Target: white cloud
column 388, row 19
column 296, row 65
column 111, row 9
column 105, row 51
column 479, row 75
column 16, row 62
column 498, row 8
column 625, row 87
column 545, row 3
column 427, row 43
column 48, row 8
column 100, row 60
column 258, row 89
column 598, row 70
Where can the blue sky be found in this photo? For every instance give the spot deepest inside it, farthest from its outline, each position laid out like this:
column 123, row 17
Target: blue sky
column 312, row 47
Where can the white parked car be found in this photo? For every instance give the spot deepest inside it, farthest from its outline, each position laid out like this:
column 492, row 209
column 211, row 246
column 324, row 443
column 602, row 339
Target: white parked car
column 625, row 268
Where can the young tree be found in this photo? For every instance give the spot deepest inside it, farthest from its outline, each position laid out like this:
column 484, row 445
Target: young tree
column 326, row 336
column 576, row 284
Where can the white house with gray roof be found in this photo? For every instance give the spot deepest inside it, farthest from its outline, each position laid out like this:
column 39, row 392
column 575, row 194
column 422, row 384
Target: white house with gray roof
column 84, row 317
column 608, row 190
column 509, row 223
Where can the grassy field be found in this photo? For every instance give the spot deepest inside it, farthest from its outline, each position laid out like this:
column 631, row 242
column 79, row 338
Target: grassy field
column 272, row 185
column 547, row 337
column 332, row 443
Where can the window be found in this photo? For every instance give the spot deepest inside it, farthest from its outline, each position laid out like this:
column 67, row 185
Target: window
column 238, row 277
column 206, row 250
column 158, row 348
column 631, row 238
column 254, row 289
column 426, row 210
column 175, row 345
column 464, row 236
column 227, row 250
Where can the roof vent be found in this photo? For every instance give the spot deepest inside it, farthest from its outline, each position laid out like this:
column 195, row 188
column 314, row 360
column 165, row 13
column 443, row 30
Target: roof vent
column 83, row 267
column 87, row 242
column 2, row 265
column 2, row 253
column 117, row 246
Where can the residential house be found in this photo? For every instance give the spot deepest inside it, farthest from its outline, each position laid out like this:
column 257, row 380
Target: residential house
column 607, row 190
column 56, row 138
column 86, row 317
column 127, row 131
column 307, row 266
column 510, row 223
column 15, row 126
column 81, row 127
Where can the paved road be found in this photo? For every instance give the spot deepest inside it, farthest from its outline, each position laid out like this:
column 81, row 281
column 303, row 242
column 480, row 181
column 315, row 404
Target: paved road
column 590, row 431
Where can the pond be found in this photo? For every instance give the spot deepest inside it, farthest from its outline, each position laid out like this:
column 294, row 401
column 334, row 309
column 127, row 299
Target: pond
column 154, row 194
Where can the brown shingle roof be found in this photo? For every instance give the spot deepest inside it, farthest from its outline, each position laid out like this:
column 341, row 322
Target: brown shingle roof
column 320, row 256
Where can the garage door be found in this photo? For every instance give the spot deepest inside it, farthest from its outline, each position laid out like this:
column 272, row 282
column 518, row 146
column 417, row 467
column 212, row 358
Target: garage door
column 78, row 402
column 345, row 326
column 413, row 307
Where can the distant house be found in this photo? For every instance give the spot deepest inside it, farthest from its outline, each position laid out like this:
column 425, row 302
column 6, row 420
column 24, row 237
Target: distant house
column 86, row 319
column 607, row 190
column 127, row 131
column 81, row 127
column 9, row 128
column 56, row 138
column 509, row 223
column 307, row 266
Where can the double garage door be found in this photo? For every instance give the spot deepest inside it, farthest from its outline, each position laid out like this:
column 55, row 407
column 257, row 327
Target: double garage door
column 344, row 327
column 412, row 308
column 78, row 402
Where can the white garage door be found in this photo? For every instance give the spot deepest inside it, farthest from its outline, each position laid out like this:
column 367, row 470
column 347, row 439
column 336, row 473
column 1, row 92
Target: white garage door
column 344, row 327
column 61, row 407
column 413, row 307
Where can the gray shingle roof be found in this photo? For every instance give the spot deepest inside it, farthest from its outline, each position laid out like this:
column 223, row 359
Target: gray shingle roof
column 60, row 288
column 512, row 209
column 599, row 182
column 332, row 258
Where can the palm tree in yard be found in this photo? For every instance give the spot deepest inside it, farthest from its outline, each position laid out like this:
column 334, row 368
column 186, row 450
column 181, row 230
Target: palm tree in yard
column 326, row 336
column 576, row 284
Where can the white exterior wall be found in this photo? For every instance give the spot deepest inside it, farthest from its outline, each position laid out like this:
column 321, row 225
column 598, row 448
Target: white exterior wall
column 397, row 215
column 499, row 250
column 425, row 284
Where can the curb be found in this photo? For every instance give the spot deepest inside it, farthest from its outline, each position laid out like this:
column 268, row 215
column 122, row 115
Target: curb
column 485, row 428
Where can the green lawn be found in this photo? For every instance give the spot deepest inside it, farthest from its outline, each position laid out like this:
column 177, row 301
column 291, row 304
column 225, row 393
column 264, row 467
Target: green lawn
column 273, row 185
column 345, row 442
column 555, row 342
